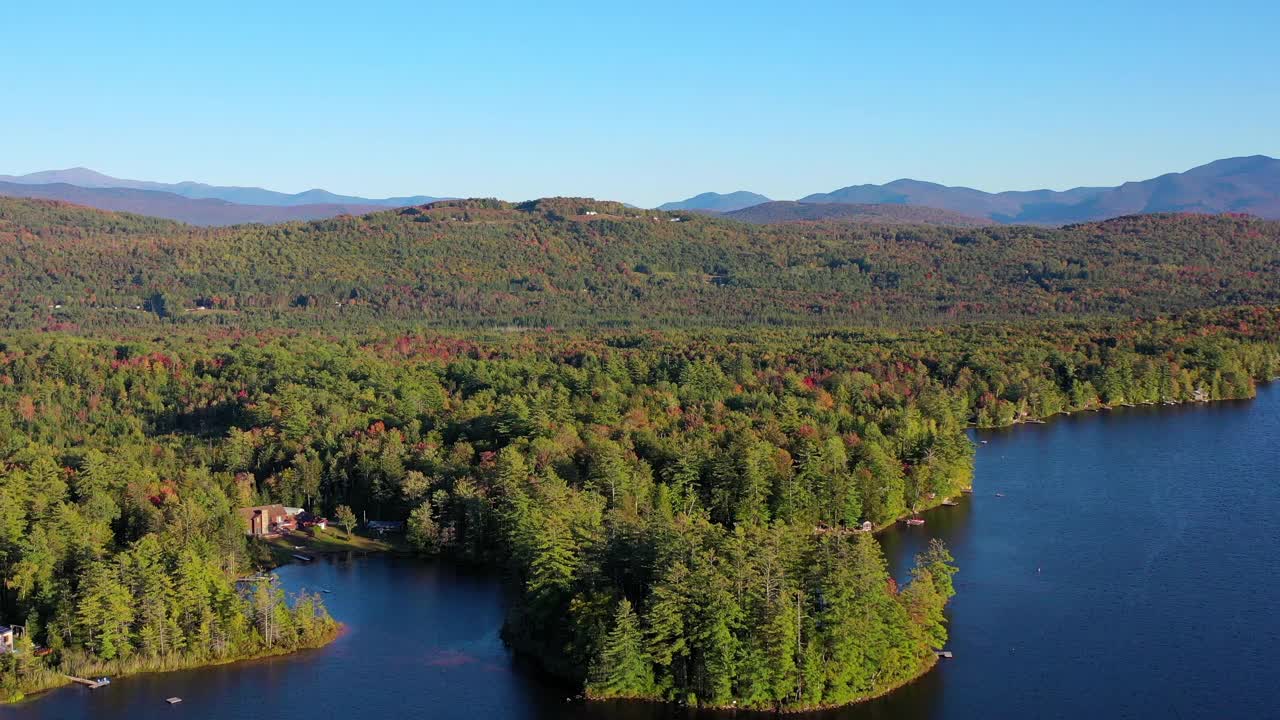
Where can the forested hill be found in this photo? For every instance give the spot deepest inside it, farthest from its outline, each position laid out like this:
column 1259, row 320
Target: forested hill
column 566, row 262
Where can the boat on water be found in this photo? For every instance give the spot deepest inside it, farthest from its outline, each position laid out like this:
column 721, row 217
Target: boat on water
column 103, row 681
column 915, row 521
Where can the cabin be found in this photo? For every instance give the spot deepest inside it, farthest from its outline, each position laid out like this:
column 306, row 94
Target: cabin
column 8, row 635
column 267, row 520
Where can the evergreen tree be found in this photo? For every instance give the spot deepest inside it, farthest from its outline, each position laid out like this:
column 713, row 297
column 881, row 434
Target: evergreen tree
column 623, row 668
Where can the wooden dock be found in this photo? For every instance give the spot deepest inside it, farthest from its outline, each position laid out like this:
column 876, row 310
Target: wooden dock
column 262, row 577
column 91, row 684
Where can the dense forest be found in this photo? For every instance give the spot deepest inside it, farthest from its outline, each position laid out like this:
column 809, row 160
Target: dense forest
column 571, row 263
column 677, row 512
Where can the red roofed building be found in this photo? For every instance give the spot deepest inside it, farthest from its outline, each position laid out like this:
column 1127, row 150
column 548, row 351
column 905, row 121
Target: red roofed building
column 265, row 520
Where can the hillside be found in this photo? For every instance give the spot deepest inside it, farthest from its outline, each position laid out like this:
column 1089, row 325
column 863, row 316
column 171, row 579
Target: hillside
column 1242, row 185
column 716, row 202
column 86, row 178
column 175, row 207
column 785, row 211
column 550, row 263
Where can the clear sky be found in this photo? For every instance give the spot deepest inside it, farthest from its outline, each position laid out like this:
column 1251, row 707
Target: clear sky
column 639, row 101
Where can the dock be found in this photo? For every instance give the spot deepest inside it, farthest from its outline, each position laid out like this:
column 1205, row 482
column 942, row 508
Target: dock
column 943, row 653
column 91, row 684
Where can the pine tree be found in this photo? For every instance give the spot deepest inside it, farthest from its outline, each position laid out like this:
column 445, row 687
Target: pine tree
column 421, row 528
column 623, row 668
column 667, row 641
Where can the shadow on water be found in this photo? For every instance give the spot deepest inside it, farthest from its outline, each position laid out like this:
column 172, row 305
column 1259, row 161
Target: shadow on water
column 1113, row 565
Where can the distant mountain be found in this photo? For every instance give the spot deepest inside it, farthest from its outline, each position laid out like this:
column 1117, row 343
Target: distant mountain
column 196, row 211
column 86, row 178
column 715, row 202
column 788, row 211
column 1241, row 185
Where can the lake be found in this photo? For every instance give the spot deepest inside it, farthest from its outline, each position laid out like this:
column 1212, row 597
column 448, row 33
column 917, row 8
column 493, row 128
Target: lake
column 1112, row 565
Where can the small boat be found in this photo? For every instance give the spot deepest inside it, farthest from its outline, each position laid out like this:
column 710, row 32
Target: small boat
column 173, row 700
column 915, row 521
column 303, row 558
column 103, row 681
column 999, row 494
column 967, row 491
column 950, row 503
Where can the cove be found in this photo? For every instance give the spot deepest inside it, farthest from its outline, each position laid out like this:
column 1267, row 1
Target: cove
column 1129, row 568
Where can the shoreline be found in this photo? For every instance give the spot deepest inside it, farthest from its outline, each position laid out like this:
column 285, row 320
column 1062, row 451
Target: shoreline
column 160, row 666
column 790, row 710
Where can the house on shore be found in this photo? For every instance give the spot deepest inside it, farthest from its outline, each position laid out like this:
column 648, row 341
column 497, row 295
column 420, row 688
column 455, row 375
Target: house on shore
column 267, row 520
column 8, row 636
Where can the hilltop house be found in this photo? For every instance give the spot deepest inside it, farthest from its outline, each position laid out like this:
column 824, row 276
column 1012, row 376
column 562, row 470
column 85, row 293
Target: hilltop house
column 267, row 520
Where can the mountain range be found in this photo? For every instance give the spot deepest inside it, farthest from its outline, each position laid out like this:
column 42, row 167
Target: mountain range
column 1241, row 185
column 195, row 211
column 1249, row 185
column 192, row 202
column 86, row 178
column 790, row 211
column 717, row 202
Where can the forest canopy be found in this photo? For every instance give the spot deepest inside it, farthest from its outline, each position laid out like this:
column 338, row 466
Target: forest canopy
column 678, row 513
column 549, row 263
column 667, row 431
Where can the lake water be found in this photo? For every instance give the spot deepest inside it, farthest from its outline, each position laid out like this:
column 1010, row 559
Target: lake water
column 1129, row 568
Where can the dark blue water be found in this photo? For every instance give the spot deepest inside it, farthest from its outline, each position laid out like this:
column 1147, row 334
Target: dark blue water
column 1131, row 569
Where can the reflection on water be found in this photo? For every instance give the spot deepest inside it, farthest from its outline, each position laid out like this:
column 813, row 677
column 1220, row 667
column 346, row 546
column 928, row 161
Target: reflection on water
column 1129, row 569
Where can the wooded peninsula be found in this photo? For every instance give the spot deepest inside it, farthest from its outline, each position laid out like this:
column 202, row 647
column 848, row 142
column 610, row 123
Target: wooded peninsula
column 665, row 431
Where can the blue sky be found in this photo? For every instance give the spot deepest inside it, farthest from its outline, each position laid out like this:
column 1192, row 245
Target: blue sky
column 642, row 102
